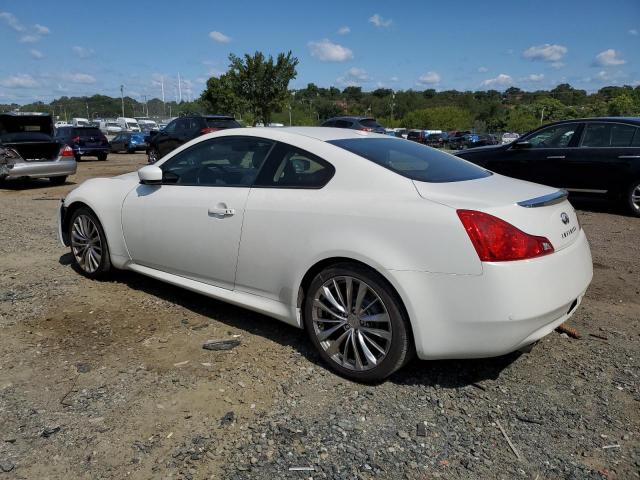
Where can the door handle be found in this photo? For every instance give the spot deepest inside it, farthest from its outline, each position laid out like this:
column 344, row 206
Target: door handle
column 628, row 156
column 555, row 157
column 222, row 212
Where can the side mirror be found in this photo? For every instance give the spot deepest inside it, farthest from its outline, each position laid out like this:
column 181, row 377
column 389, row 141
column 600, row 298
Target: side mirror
column 150, row 175
column 521, row 144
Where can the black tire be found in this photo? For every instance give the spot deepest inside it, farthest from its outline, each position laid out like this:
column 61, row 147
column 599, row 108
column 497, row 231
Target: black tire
column 102, row 156
column 400, row 348
column 77, row 157
column 632, row 198
column 131, row 151
column 57, row 180
column 104, row 263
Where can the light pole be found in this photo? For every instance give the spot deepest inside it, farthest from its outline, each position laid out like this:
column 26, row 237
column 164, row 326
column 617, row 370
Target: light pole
column 122, row 98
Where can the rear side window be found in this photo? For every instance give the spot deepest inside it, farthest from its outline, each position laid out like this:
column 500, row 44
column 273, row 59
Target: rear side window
column 343, row 124
column 607, row 135
column 222, row 123
column 292, row 167
column 636, row 138
column 413, row 160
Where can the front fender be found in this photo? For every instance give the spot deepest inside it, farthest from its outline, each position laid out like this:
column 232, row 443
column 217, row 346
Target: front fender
column 105, row 197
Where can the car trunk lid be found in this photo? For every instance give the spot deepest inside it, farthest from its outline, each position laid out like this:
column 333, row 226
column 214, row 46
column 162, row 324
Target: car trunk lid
column 534, row 209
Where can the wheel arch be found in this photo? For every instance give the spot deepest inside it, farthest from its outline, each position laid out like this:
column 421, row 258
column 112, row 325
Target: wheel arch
column 320, row 265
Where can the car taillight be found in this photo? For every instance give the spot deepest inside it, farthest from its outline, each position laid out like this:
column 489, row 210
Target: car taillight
column 498, row 241
column 75, row 139
column 66, row 151
column 365, row 129
column 208, row 130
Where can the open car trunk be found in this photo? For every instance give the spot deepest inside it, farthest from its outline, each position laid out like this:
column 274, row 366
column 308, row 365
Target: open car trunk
column 39, row 151
column 27, row 137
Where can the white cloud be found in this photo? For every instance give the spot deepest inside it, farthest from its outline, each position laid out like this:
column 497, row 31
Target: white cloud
column 19, row 81
column 546, row 52
column 557, row 65
column 353, row 77
column 83, row 78
column 344, row 30
column 29, row 38
column 379, row 21
column 37, row 54
column 327, row 51
column 502, row 80
column 219, row 37
column 82, row 52
column 609, row 58
column 535, row 77
column 602, row 75
column 429, row 78
column 11, row 20
column 41, row 29
column 394, row 79
column 483, row 69
column 633, row 32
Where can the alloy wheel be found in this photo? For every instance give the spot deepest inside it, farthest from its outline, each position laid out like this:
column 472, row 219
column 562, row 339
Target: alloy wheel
column 635, row 197
column 352, row 323
column 86, row 243
column 153, row 155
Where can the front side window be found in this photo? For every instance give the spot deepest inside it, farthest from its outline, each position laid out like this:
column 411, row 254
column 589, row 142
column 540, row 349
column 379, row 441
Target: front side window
column 171, row 127
column 557, row 136
column 413, row 160
column 343, row 124
column 292, row 167
column 221, row 162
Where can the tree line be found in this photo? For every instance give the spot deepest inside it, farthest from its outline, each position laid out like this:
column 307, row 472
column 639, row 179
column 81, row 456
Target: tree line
column 255, row 88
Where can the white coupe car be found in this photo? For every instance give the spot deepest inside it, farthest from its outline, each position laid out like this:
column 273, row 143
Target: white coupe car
column 379, row 247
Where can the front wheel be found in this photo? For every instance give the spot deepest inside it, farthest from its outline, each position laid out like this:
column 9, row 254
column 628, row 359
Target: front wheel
column 88, row 244
column 356, row 322
column 102, row 156
column 632, row 198
column 153, row 155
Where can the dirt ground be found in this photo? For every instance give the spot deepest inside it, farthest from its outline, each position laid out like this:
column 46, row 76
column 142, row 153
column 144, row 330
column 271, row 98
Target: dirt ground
column 108, row 379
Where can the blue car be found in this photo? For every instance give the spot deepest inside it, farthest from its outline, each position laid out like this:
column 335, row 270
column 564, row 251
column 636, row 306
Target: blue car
column 129, row 142
column 84, row 141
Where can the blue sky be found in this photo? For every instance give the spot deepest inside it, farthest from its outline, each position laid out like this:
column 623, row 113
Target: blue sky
column 70, row 48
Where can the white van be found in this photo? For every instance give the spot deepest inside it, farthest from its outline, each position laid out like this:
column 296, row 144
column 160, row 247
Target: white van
column 128, row 124
column 147, row 125
column 80, row 122
column 109, row 127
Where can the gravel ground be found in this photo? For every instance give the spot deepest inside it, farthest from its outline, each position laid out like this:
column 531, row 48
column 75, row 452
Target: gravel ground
column 109, row 379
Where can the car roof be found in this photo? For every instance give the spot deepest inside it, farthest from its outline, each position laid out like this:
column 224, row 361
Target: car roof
column 348, row 117
column 325, row 134
column 634, row 120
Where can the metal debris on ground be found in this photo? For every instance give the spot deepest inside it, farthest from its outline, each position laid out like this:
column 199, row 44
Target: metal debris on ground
column 302, row 469
column 513, row 448
column 217, row 345
column 572, row 332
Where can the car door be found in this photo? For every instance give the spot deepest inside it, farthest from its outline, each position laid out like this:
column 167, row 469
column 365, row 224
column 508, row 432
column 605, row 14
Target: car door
column 602, row 161
column 540, row 157
column 116, row 143
column 167, row 140
column 190, row 224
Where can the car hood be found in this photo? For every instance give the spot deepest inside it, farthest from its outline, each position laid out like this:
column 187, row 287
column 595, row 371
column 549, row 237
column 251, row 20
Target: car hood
column 485, row 149
column 131, row 177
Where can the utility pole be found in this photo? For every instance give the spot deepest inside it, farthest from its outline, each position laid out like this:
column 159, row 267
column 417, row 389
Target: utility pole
column 122, row 98
column 87, row 105
column 164, row 106
column 180, row 87
column 541, row 115
column 146, row 105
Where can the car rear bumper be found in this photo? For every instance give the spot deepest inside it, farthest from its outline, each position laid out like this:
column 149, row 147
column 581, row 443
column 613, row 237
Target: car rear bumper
column 55, row 168
column 508, row 306
column 91, row 150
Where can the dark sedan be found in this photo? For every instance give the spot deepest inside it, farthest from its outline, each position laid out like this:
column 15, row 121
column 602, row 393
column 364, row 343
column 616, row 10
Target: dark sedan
column 129, row 142
column 596, row 156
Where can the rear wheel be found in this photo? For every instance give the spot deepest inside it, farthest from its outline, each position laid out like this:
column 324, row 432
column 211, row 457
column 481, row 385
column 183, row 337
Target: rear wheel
column 57, row 180
column 356, row 322
column 632, row 198
column 88, row 244
column 102, row 156
column 77, row 157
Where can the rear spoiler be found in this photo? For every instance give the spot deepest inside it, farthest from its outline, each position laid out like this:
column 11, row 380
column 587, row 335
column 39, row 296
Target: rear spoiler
column 545, row 200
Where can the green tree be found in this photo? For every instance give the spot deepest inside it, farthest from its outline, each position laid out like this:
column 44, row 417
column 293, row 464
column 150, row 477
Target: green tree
column 262, row 83
column 520, row 120
column 219, row 96
column 621, row 105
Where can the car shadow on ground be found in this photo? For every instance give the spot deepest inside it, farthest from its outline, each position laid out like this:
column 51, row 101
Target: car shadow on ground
column 29, row 184
column 444, row 373
column 598, row 205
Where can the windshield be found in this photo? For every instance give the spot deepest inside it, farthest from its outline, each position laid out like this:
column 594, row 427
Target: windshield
column 132, row 125
column 222, row 123
column 413, row 160
column 88, row 132
column 370, row 123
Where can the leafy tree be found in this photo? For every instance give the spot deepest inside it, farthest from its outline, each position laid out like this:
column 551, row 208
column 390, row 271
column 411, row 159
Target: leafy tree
column 519, row 120
column 622, row 105
column 262, row 83
column 220, row 97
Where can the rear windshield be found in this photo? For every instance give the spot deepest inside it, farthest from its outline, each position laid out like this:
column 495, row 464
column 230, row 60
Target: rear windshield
column 413, row 134
column 222, row 123
column 412, row 160
column 87, row 132
column 369, row 123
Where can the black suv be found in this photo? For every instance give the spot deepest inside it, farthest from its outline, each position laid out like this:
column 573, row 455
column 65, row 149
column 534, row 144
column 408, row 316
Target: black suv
column 366, row 124
column 183, row 129
column 84, row 141
column 598, row 156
